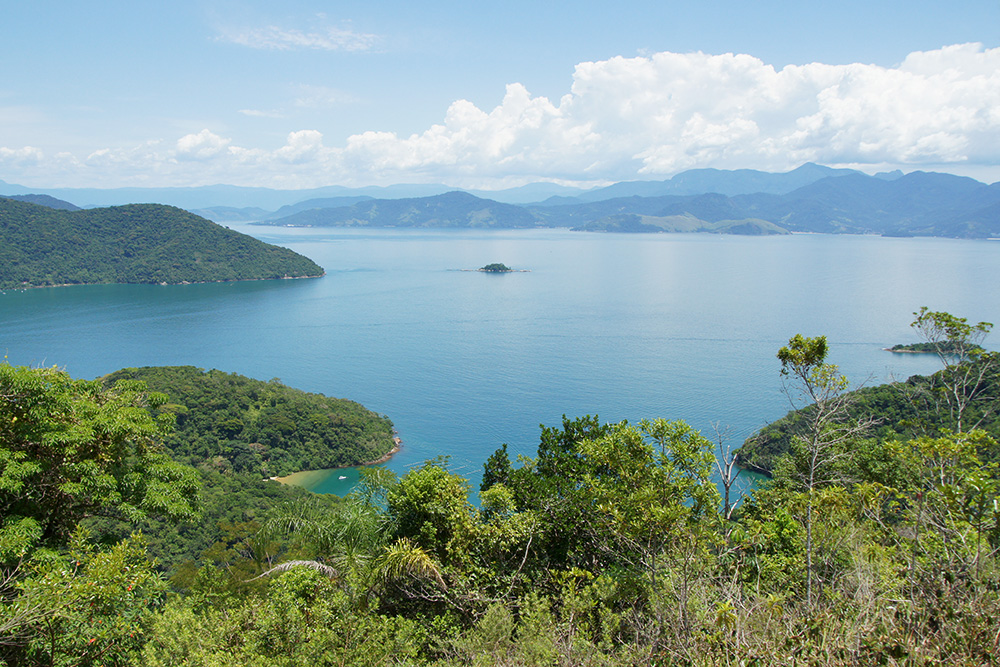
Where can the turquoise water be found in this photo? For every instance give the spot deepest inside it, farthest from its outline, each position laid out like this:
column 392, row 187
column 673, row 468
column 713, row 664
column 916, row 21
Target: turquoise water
column 623, row 326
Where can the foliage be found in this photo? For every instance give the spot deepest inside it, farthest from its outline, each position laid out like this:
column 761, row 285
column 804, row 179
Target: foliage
column 88, row 607
column 70, row 449
column 905, row 410
column 234, row 423
column 496, row 268
column 610, row 547
column 138, row 243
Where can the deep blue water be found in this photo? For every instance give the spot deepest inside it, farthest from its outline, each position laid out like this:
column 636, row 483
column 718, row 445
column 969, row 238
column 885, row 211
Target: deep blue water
column 623, row 326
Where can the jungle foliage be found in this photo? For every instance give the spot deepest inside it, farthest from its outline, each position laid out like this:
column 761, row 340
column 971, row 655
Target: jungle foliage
column 610, row 546
column 963, row 395
column 230, row 422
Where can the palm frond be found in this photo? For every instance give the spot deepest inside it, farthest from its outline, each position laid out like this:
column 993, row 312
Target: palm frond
column 289, row 565
column 404, row 559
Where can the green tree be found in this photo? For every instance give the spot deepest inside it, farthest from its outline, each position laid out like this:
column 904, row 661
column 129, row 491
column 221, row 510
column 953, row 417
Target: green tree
column 819, row 456
column 87, row 607
column 69, row 450
column 958, row 345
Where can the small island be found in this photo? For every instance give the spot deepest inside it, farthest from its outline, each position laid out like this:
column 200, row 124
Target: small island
column 496, row 267
column 931, row 348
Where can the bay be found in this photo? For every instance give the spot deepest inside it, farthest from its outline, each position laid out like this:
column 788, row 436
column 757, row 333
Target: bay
column 679, row 326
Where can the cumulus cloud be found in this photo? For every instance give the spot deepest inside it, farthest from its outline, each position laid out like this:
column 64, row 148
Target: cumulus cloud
column 26, row 155
column 651, row 116
column 667, row 112
column 283, row 39
column 201, row 146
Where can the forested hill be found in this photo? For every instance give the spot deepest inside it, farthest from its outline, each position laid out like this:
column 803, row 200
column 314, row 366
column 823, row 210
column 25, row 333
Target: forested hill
column 232, row 422
column 137, row 243
column 452, row 209
column 902, row 411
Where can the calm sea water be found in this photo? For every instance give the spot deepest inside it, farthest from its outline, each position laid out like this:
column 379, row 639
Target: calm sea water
column 623, row 326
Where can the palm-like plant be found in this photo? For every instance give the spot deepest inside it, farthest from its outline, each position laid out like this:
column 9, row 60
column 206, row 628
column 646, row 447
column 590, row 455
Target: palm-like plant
column 352, row 544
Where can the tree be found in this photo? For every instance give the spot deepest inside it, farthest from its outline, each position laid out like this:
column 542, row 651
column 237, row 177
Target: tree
column 430, row 506
column 728, row 470
column 958, row 345
column 819, row 454
column 69, row 450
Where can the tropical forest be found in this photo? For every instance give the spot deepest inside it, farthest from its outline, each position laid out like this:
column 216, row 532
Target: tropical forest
column 139, row 526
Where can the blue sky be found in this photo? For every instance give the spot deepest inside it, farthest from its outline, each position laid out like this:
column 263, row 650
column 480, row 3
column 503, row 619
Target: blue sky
column 304, row 94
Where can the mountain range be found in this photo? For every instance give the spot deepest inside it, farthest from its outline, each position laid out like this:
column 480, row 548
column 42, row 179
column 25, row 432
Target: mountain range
column 811, row 198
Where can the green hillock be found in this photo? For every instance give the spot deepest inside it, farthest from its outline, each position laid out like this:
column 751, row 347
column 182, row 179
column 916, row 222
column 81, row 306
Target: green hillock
column 228, row 421
column 137, row 243
column 903, row 410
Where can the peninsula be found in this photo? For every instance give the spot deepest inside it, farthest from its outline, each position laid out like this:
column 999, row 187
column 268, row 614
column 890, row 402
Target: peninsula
column 138, row 243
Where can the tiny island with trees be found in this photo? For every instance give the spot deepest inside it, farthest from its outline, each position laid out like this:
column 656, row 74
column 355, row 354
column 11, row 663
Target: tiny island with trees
column 496, row 267
column 127, row 539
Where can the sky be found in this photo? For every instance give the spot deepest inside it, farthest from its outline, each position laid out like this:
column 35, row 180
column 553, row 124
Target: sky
column 304, row 93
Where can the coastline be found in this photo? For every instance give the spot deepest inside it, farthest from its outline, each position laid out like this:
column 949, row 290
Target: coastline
column 397, row 444
column 308, row 478
column 183, row 282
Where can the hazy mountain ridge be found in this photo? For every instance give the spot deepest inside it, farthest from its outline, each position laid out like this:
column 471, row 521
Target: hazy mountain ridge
column 450, row 210
column 45, row 200
column 811, row 198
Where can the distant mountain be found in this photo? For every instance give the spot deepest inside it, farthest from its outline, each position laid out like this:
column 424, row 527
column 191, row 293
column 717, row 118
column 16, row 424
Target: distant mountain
column 45, row 200
column 231, row 213
column 310, row 204
column 210, row 196
column 138, row 243
column 526, row 194
column 704, row 181
column 685, row 223
column 449, row 210
column 811, row 198
column 919, row 203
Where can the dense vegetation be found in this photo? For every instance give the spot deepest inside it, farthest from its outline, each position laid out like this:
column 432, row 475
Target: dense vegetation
column 232, row 422
column 496, row 267
column 612, row 546
column 922, row 348
column 964, row 394
column 138, row 243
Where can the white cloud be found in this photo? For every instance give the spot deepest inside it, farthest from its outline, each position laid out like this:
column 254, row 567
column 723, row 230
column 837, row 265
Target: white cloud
column 261, row 113
column 201, row 146
column 283, row 39
column 667, row 112
column 26, row 155
column 303, row 146
column 624, row 118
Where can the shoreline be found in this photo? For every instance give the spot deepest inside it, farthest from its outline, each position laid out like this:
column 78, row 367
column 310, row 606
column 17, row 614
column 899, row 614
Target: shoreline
column 397, row 444
column 183, row 282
